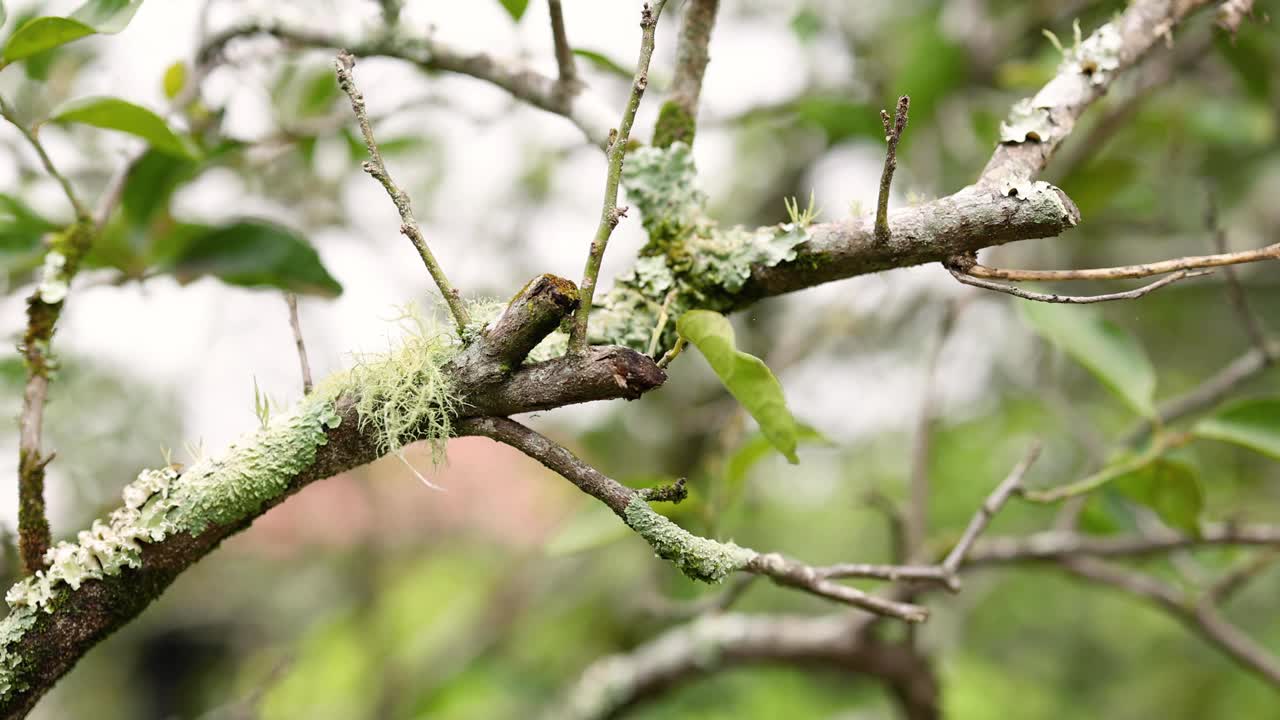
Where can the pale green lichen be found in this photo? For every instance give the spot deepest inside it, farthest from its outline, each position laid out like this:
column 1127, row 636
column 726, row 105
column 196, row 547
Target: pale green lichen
column 160, row 503
column 1098, row 55
column 697, row 557
column 689, row 261
column 404, row 395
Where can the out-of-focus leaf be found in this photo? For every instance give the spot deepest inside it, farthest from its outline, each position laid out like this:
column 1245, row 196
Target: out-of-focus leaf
column 806, row 25
column 1169, row 487
column 1229, row 122
column 4, row 14
column 107, row 16
column 603, row 62
column 1101, row 184
column 1105, row 349
column 758, row 448
column 112, row 113
column 839, row 117
column 592, row 527
column 175, row 78
column 44, row 33
column 515, row 8
column 745, row 376
column 932, row 65
column 1252, row 55
column 249, row 253
column 21, row 230
column 151, row 183
column 1254, row 424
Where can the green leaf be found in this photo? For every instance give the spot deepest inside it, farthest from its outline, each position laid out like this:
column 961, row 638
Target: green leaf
column 1169, row 487
column 175, row 78
column 107, row 16
column 515, row 8
column 806, row 25
column 44, row 33
column 249, row 253
column 592, row 527
column 40, row 34
column 21, row 230
column 758, row 448
column 1111, row 354
column 112, row 113
column 151, row 182
column 745, row 376
column 604, row 62
column 4, row 15
column 1254, row 424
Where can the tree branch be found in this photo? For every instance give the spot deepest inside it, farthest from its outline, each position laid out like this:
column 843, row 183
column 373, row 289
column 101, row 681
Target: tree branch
column 893, row 130
column 378, row 169
column 615, row 151
column 614, row 685
column 568, row 79
column 1125, row 272
column 38, row 646
column 580, row 106
column 291, row 300
column 1017, row 292
column 678, row 119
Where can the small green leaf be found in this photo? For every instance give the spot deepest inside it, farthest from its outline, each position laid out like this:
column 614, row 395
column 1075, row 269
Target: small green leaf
column 604, row 62
column 515, row 8
column 4, row 15
column 151, row 182
column 43, row 33
column 249, row 253
column 592, row 527
column 1254, row 424
column 745, row 376
column 21, row 231
column 1111, row 354
column 806, row 25
column 1169, row 487
column 175, row 78
column 112, row 113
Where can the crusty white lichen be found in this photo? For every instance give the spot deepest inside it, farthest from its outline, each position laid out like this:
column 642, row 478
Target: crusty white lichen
column 697, row 557
column 54, row 279
column 1098, row 56
column 1026, row 122
column 160, row 503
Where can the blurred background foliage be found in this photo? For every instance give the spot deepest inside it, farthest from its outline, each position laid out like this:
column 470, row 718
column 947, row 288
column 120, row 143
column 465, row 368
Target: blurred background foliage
column 369, row 596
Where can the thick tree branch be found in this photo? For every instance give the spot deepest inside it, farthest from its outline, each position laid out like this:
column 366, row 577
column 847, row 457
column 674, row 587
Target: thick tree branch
column 36, row 649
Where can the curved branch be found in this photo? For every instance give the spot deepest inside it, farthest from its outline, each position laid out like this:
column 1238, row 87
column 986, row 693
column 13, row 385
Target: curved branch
column 575, row 103
column 712, row 644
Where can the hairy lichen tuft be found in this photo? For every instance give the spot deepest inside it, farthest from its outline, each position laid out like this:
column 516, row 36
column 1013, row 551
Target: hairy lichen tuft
column 405, row 395
column 697, row 557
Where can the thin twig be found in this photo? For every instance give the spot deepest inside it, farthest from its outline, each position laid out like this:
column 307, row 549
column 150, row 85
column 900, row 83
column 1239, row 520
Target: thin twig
column 7, row 111
column 1249, row 320
column 568, row 79
column 893, row 128
column 1072, row 299
column 615, row 151
column 988, row 510
column 1203, row 618
column 1128, row 272
column 671, row 354
column 666, row 608
column 1235, row 579
column 916, row 517
column 291, row 300
column 378, row 169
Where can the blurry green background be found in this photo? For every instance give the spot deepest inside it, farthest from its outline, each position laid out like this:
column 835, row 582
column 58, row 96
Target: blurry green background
column 372, row 596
